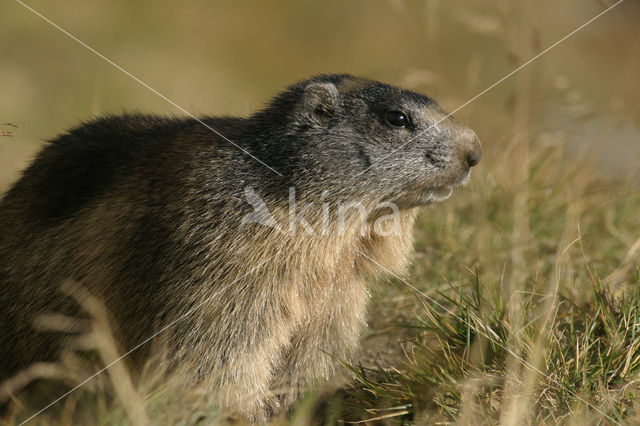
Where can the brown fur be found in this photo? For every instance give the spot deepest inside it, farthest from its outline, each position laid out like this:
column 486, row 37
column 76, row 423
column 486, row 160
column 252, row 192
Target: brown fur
column 147, row 213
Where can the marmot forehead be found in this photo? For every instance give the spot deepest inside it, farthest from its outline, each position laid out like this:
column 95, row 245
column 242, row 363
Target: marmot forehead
column 347, row 90
column 422, row 108
column 384, row 93
column 371, row 90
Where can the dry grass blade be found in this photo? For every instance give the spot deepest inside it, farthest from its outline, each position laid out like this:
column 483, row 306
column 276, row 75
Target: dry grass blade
column 107, row 347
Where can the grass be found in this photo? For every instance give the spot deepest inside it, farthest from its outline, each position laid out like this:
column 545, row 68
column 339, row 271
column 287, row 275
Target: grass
column 494, row 326
column 552, row 335
column 464, row 358
column 522, row 303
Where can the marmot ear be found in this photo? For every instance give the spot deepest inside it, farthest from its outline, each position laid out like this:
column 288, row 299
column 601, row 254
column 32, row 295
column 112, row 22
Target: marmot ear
column 321, row 101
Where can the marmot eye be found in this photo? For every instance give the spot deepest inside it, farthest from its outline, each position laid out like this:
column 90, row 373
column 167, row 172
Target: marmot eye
column 396, row 119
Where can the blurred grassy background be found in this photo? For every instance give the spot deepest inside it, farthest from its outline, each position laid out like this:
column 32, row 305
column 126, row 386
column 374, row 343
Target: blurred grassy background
column 561, row 146
column 230, row 57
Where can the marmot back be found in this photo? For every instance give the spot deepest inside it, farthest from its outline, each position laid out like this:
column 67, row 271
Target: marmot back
column 260, row 270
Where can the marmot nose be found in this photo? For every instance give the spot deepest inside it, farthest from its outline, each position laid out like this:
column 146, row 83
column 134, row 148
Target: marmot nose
column 469, row 148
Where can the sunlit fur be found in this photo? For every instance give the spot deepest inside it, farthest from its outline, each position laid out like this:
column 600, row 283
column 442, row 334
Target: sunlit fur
column 146, row 213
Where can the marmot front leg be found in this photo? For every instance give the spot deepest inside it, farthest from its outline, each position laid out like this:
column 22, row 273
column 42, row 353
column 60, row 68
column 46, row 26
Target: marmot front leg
column 236, row 357
column 243, row 386
column 331, row 334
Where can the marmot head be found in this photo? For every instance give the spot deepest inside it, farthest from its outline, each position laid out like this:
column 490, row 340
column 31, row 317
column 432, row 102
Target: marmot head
column 373, row 139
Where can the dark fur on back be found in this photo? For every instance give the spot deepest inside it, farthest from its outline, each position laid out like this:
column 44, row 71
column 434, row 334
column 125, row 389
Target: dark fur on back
column 146, row 213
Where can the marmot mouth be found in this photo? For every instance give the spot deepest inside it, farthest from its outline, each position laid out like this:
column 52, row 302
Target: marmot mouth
column 444, row 191
column 441, row 193
column 426, row 193
column 423, row 197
